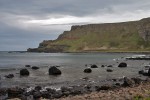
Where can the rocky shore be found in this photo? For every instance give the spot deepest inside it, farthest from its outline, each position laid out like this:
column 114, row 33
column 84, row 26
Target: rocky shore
column 85, row 88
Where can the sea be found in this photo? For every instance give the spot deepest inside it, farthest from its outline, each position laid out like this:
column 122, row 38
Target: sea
column 71, row 65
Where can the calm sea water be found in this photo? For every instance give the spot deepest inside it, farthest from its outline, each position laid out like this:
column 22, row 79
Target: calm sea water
column 71, row 65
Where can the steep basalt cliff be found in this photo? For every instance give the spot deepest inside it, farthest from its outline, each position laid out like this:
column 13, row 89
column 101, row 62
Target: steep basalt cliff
column 125, row 36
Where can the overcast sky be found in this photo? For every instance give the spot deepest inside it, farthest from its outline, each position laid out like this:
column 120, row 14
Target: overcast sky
column 26, row 23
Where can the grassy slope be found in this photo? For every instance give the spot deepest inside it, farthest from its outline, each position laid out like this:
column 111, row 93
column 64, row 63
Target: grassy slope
column 103, row 37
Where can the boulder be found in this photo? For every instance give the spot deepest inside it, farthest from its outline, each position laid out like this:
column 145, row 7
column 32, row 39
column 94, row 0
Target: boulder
column 14, row 92
column 87, row 70
column 94, row 66
column 35, row 67
column 37, row 95
column 149, row 72
column 128, row 82
column 102, row 65
column 24, row 72
column 109, row 66
column 54, row 71
column 38, row 88
column 9, row 76
column 27, row 66
column 109, row 70
column 123, row 64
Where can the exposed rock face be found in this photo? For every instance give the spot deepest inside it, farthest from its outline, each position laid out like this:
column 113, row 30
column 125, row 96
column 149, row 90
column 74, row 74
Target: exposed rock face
column 54, row 71
column 98, row 37
column 24, row 72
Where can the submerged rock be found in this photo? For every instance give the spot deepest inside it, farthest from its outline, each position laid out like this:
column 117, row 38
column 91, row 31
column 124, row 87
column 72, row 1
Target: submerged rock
column 24, row 72
column 123, row 64
column 54, row 71
column 87, row 70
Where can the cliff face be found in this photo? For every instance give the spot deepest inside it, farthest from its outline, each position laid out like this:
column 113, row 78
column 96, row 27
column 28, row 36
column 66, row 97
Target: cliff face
column 126, row 36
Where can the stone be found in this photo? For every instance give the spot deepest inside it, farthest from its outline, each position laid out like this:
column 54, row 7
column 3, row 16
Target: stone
column 37, row 95
column 122, row 64
column 109, row 66
column 38, row 88
column 109, row 70
column 35, row 67
column 27, row 65
column 87, row 70
column 94, row 66
column 128, row 82
column 14, row 92
column 24, row 72
column 9, row 76
column 102, row 65
column 54, row 71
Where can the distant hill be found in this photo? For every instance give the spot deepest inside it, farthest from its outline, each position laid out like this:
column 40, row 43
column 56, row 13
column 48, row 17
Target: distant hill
column 111, row 37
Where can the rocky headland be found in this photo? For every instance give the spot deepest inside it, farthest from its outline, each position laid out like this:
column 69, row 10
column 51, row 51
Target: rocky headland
column 131, row 36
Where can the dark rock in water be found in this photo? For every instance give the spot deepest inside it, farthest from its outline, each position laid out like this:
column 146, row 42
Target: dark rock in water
column 38, row 88
column 94, row 66
column 14, row 92
column 54, row 71
column 109, row 66
column 24, row 72
column 109, row 70
column 136, row 80
column 123, row 64
column 46, row 94
column 103, row 66
column 35, row 67
column 37, row 95
column 9, row 76
column 128, row 82
column 87, row 70
column 141, row 72
column 149, row 72
column 3, row 91
column 144, row 72
column 27, row 65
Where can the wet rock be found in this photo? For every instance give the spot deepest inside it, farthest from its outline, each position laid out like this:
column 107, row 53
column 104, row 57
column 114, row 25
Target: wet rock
column 109, row 70
column 94, row 66
column 35, row 67
column 54, row 71
column 104, row 87
column 122, row 64
column 37, row 95
column 149, row 72
column 38, row 88
column 3, row 91
column 109, row 66
column 136, row 80
column 128, row 82
column 9, row 76
column 58, row 94
column 24, row 72
column 46, row 94
column 87, row 70
column 102, row 65
column 14, row 92
column 27, row 65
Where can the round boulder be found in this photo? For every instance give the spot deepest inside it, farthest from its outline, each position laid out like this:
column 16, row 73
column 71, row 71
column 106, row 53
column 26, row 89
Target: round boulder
column 94, row 66
column 54, row 71
column 24, row 72
column 9, row 76
column 123, row 64
column 87, row 70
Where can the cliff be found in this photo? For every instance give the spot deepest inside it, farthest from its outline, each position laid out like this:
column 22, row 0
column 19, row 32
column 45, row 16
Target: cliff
column 125, row 36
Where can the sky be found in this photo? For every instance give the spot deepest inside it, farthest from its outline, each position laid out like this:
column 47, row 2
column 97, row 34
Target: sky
column 26, row 23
